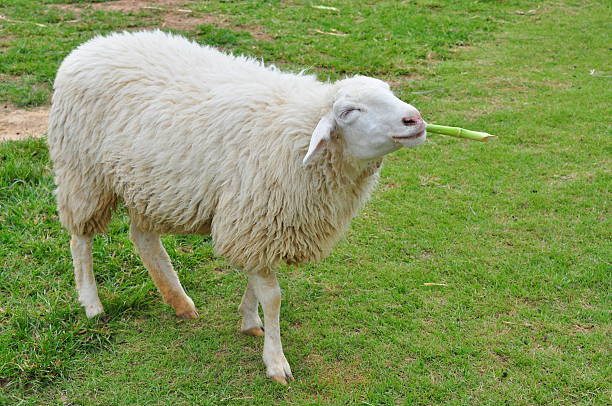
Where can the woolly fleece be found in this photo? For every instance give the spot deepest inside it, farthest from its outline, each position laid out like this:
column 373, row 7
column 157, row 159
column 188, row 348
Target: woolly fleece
column 193, row 140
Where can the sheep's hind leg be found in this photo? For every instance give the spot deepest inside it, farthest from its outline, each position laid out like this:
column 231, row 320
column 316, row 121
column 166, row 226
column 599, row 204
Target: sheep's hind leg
column 157, row 262
column 251, row 323
column 268, row 293
column 81, row 246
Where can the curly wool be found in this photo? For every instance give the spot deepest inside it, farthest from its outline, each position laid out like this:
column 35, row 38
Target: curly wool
column 196, row 141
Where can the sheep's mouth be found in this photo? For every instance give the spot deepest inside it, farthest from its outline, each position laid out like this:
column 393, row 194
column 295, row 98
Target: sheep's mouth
column 410, row 137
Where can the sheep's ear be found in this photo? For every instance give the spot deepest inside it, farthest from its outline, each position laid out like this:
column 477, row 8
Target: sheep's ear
column 320, row 135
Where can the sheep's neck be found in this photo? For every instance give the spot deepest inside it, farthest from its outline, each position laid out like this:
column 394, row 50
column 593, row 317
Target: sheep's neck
column 346, row 169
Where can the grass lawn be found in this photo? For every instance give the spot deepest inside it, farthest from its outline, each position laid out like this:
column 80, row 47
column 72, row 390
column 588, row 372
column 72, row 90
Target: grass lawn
column 515, row 234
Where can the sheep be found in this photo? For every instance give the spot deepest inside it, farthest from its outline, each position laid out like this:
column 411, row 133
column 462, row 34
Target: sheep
column 273, row 165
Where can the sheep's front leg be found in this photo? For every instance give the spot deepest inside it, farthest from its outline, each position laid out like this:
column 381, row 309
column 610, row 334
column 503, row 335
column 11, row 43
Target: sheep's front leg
column 251, row 323
column 268, row 293
column 157, row 262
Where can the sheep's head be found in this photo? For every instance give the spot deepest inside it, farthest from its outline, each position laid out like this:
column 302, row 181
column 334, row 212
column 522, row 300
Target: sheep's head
column 370, row 119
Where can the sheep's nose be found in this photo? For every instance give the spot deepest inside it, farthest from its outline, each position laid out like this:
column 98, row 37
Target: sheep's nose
column 413, row 120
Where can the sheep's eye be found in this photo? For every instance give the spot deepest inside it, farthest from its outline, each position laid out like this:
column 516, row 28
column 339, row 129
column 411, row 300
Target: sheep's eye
column 345, row 113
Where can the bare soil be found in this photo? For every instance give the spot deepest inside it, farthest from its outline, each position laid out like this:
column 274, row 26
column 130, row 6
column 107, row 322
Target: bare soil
column 16, row 123
column 176, row 14
column 124, row 6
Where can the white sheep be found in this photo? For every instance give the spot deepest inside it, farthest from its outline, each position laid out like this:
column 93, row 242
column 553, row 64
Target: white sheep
column 273, row 165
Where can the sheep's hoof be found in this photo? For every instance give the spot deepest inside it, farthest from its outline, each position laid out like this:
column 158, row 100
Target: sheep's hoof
column 255, row 332
column 281, row 379
column 93, row 310
column 278, row 368
column 92, row 307
column 189, row 314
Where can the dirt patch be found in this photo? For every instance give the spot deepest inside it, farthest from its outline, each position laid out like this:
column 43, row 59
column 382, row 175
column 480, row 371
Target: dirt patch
column 186, row 22
column 340, row 372
column 6, row 78
column 18, row 123
column 175, row 14
column 404, row 80
column 125, row 6
column 256, row 31
column 582, row 328
column 5, row 39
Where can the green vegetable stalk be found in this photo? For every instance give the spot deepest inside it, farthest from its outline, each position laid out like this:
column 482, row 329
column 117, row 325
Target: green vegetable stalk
column 459, row 132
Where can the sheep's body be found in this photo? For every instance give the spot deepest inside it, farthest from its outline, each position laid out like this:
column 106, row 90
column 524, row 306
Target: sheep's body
column 196, row 141
column 273, row 165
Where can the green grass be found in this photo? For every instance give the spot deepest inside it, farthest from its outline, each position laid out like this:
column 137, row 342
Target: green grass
column 383, row 38
column 518, row 230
